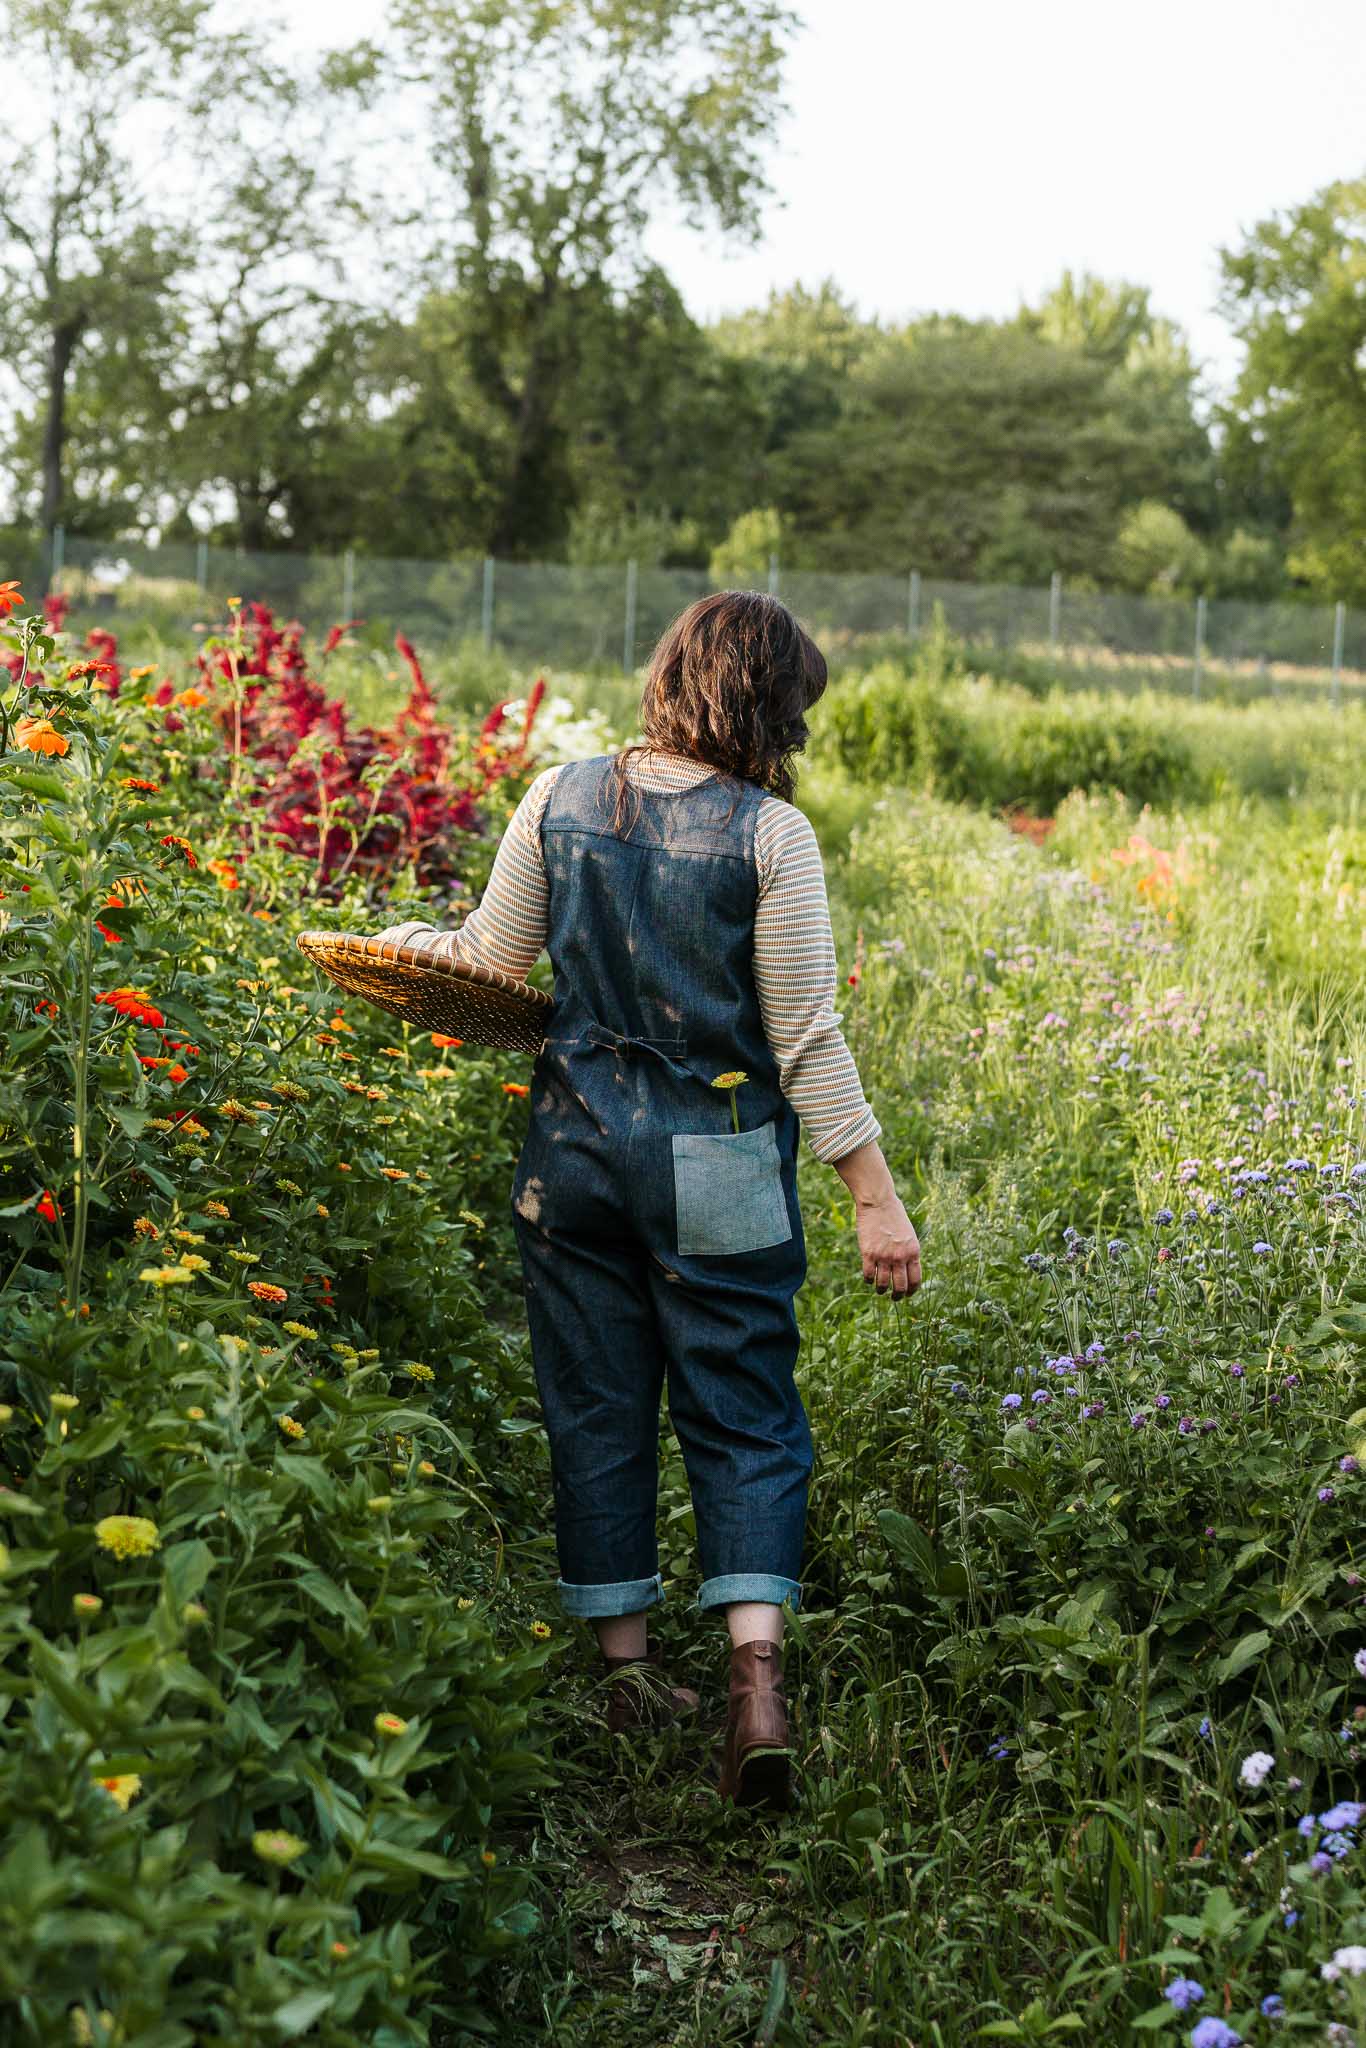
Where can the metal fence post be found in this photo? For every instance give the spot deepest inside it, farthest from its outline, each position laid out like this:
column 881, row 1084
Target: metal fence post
column 487, row 618
column 1054, row 609
column 201, row 565
column 913, row 605
column 1199, row 666
column 348, row 585
column 773, row 575
column 628, row 648
column 56, row 555
column 1339, row 637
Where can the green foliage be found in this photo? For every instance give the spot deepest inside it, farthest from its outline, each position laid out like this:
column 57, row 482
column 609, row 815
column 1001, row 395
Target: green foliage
column 1156, row 551
column 939, row 729
column 238, row 1224
column 1297, row 421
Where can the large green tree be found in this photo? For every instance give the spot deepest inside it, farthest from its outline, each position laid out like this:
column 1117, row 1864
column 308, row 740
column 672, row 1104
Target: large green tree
column 561, row 128
column 1295, row 429
column 88, row 255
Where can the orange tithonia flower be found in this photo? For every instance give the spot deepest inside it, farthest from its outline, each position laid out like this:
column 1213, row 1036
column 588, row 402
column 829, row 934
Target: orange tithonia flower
column 41, row 736
column 134, row 1003
column 45, row 1008
column 11, row 597
column 225, row 872
column 140, row 782
column 439, row 1038
column 192, row 699
column 516, row 1088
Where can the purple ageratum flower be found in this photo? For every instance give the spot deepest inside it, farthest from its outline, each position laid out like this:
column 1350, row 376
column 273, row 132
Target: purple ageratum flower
column 1358, row 1172
column 1327, row 1493
column 958, row 1390
column 1187, row 1425
column 1095, row 1350
column 1299, row 1166
column 1019, row 1372
column 1237, row 1372
column 1359, row 1666
column 1319, row 1863
column 1262, row 1248
column 1091, row 1409
column 1163, row 1401
column 1339, row 1844
column 1208, row 1425
column 1348, row 1813
column 999, row 1750
column 1138, row 1420
column 1164, row 1216
column 1306, row 1826
column 1012, row 1400
column 1212, row 2033
column 1041, row 1394
column 1184, row 1992
column 1273, row 2006
column 1206, row 1729
column 1329, row 1170
column 1349, row 1464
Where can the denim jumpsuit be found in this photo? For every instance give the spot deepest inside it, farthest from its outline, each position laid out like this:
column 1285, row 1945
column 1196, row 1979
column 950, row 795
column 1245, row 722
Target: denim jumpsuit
column 656, row 1243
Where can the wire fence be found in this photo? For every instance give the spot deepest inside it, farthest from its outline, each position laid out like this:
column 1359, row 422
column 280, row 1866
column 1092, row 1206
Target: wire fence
column 573, row 617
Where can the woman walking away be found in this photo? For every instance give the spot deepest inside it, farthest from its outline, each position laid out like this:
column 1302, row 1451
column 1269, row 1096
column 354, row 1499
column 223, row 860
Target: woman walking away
column 681, row 898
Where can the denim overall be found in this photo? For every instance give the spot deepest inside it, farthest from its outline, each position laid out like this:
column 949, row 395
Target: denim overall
column 656, row 1243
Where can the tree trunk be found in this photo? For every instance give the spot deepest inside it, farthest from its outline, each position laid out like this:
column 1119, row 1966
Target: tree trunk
column 61, row 348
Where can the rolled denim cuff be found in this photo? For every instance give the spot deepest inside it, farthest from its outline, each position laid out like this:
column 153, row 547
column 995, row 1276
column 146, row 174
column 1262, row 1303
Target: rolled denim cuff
column 622, row 1596
column 765, row 1586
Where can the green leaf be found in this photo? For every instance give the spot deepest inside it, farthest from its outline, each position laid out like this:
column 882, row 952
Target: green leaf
column 1243, row 1653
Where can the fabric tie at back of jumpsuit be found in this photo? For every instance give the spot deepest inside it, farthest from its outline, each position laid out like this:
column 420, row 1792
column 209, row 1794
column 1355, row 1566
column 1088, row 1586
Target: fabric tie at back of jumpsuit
column 657, row 1243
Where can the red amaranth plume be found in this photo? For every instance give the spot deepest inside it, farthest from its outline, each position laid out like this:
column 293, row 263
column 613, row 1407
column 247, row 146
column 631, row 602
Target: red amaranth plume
column 337, row 634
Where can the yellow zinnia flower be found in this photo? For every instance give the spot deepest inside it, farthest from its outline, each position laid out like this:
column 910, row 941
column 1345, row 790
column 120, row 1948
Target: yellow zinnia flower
column 390, row 1724
column 729, row 1080
column 123, row 1790
column 127, row 1535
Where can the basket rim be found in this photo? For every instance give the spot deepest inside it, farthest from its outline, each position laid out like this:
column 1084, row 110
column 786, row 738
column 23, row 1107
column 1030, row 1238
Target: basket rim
column 410, row 960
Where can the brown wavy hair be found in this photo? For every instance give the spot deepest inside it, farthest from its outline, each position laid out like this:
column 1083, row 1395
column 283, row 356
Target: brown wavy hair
column 730, row 684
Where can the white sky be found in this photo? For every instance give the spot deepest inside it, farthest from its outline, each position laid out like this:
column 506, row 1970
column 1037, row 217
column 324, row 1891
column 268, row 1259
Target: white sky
column 956, row 157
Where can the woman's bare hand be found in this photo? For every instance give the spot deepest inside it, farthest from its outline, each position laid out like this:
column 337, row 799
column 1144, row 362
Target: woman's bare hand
column 888, row 1245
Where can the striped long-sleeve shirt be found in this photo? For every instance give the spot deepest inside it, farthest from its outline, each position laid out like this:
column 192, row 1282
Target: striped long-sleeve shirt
column 794, row 951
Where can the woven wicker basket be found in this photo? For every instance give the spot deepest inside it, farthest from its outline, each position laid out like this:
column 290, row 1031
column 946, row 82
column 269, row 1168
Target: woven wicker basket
column 473, row 1003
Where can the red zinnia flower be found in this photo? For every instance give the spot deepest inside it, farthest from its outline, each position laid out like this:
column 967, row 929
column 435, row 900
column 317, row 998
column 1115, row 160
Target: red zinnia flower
column 48, row 1206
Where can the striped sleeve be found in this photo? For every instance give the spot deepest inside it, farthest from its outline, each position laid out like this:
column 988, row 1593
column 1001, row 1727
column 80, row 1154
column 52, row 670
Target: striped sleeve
column 507, row 929
column 794, row 972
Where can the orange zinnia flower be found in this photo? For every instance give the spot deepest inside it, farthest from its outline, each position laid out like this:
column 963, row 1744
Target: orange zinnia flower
column 183, row 845
column 265, row 1290
column 41, row 736
column 46, row 1008
column 11, row 597
column 440, row 1038
column 141, row 782
column 516, row 1088
column 177, row 1073
column 192, row 698
column 225, row 872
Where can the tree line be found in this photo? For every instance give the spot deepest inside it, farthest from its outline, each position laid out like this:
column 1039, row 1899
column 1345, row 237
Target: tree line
column 401, row 301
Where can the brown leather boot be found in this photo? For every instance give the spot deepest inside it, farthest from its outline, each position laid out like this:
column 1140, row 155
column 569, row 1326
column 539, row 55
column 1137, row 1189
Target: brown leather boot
column 640, row 1696
column 756, row 1769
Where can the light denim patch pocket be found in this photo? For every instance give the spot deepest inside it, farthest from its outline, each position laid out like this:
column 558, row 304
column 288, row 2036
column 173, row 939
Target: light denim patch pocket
column 728, row 1191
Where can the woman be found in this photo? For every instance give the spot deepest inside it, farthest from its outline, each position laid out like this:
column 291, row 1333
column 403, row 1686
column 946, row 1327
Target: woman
column 682, row 901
